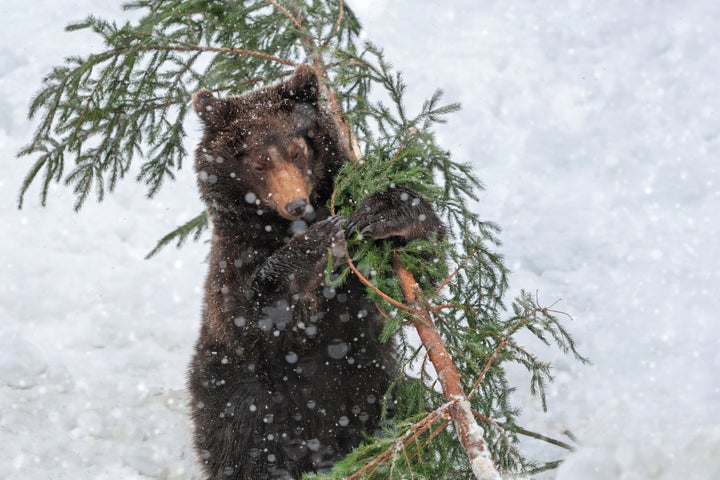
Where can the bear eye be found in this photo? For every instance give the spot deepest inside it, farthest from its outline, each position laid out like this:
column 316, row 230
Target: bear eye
column 260, row 163
column 298, row 149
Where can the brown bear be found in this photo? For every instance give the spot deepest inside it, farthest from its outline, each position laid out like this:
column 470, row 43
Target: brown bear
column 288, row 374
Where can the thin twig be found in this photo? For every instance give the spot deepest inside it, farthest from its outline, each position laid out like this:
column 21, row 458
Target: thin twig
column 447, row 279
column 487, row 366
column 435, row 433
column 368, row 283
column 336, row 109
column 545, row 467
column 336, row 28
column 444, row 306
column 407, row 462
column 539, row 436
column 485, row 419
column 189, row 47
column 294, row 20
column 571, row 436
column 334, row 193
column 252, row 81
column 500, row 346
column 382, row 312
column 523, row 431
column 422, row 367
column 394, row 459
column 89, row 100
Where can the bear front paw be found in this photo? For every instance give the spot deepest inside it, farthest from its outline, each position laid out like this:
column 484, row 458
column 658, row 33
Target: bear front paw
column 321, row 235
column 397, row 212
column 298, row 267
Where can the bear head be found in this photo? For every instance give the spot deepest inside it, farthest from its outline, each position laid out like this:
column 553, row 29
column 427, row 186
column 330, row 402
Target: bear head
column 273, row 149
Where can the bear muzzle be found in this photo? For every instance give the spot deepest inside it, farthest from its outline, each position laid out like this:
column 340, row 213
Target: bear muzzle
column 288, row 191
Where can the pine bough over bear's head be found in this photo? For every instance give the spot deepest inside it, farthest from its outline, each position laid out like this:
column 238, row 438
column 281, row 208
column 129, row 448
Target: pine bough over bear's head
column 274, row 149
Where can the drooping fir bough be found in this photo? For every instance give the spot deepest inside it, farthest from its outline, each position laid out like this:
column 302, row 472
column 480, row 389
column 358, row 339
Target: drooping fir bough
column 123, row 110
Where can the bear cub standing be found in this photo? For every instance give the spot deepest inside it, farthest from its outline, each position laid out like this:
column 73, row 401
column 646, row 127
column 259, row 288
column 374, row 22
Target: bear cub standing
column 287, row 374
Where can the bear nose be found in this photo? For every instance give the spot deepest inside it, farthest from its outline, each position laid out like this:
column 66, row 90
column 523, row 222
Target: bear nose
column 297, row 207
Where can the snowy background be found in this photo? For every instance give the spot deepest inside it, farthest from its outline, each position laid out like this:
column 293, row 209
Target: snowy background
column 595, row 126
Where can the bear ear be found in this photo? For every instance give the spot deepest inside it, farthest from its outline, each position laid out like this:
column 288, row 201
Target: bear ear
column 304, row 117
column 303, row 86
column 211, row 110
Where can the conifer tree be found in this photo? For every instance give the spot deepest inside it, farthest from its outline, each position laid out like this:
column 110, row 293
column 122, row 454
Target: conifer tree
column 128, row 103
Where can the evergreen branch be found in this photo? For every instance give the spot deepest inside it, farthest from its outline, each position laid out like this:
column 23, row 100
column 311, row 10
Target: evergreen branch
column 247, row 83
column 485, row 369
column 407, row 460
column 401, row 442
column 350, row 144
column 539, row 436
column 336, row 28
column 189, row 47
column 92, row 95
column 285, row 12
column 524, row 431
column 446, row 306
column 434, row 434
column 451, row 382
column 545, row 467
column 460, row 266
column 52, row 160
column 333, row 196
column 194, row 227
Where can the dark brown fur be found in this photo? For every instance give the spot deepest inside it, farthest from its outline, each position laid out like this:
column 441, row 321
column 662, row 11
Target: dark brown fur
column 288, row 374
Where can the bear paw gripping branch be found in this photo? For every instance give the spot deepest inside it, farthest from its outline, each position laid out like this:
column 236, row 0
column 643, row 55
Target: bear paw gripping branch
column 287, row 375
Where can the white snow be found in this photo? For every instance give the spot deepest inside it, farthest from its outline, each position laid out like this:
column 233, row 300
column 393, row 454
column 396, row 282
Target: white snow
column 595, row 128
column 480, row 460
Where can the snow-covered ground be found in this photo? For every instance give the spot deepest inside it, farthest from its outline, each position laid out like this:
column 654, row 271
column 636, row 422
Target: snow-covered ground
column 596, row 128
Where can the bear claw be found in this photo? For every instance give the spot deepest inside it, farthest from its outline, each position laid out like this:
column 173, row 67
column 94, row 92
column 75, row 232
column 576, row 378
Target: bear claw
column 330, row 225
column 331, row 229
column 397, row 212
